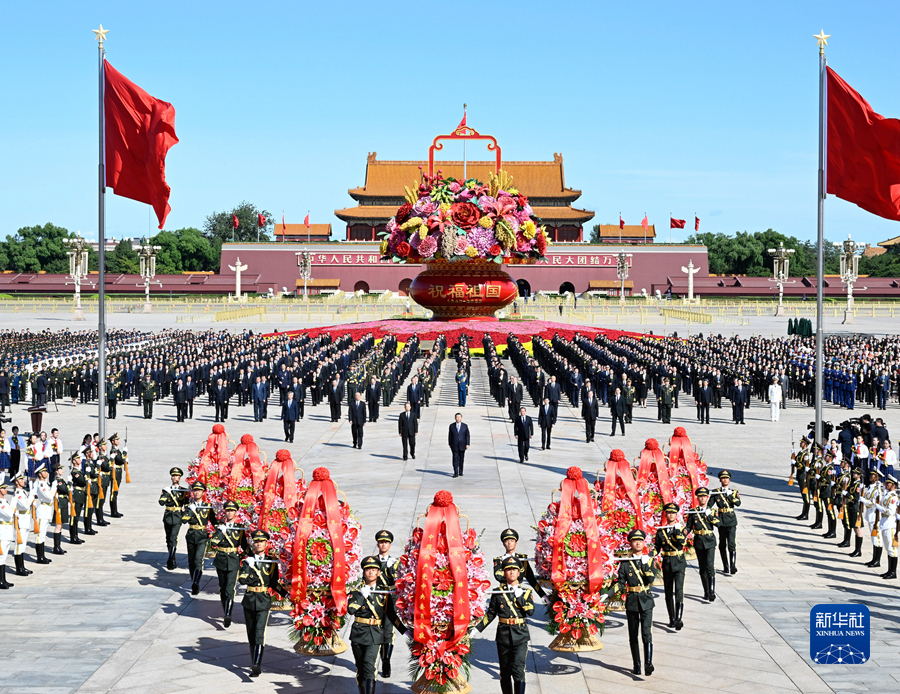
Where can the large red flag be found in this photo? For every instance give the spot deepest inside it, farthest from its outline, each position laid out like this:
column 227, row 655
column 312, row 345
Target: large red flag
column 863, row 152
column 676, row 223
column 139, row 131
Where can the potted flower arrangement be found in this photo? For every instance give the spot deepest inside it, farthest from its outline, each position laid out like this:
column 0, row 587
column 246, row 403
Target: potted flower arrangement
column 688, row 473
column 442, row 589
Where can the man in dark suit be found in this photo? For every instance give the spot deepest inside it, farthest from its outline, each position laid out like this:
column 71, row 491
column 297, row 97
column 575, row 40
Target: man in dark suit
column 458, row 439
column 553, row 393
column 546, row 420
column 575, row 384
column 514, row 395
column 180, row 397
column 705, row 398
column 590, row 411
column 40, row 389
column 258, row 393
column 299, row 389
column 523, row 428
column 357, row 416
column 290, row 413
column 740, row 398
column 617, row 410
column 190, row 389
column 408, row 427
column 4, row 392
column 415, row 396
column 373, row 398
column 335, row 398
column 221, row 397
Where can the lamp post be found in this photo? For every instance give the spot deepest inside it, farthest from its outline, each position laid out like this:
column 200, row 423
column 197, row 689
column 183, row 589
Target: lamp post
column 78, row 269
column 781, row 259
column 148, row 269
column 622, row 274
column 850, row 252
column 304, row 262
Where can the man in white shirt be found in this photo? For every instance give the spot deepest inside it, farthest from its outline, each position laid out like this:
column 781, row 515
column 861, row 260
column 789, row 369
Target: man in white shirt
column 775, row 399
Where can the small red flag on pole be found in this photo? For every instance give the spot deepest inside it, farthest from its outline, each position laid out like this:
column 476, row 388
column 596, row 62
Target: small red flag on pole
column 260, row 220
column 644, row 222
column 696, row 223
column 621, row 223
column 283, row 227
column 234, row 220
column 306, row 220
column 676, row 223
column 462, row 123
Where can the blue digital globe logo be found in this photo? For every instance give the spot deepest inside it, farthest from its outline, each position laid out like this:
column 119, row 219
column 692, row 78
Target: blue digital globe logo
column 839, row 634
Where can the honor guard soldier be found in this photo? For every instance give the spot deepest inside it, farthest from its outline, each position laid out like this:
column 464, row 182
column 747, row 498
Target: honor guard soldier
column 148, row 394
column 117, row 462
column 852, row 510
column 372, row 611
column 635, row 577
column 45, row 510
column 173, row 499
column 197, row 517
column 65, row 508
column 80, row 496
column 669, row 542
column 727, row 499
column 112, row 396
column 24, row 502
column 229, row 543
column 813, row 481
column 869, row 501
column 801, row 467
column 510, row 539
column 260, row 574
column 103, row 468
column 511, row 605
column 700, row 522
column 826, row 494
column 887, row 526
column 386, row 580
column 7, row 530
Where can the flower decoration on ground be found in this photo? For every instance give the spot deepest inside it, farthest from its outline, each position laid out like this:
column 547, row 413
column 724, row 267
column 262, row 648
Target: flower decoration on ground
column 624, row 507
column 458, row 220
column 442, row 588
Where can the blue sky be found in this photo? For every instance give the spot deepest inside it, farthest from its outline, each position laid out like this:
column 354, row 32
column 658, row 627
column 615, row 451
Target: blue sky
column 707, row 108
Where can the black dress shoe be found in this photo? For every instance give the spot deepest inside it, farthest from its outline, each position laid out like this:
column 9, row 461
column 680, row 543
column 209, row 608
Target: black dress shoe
column 455, row 475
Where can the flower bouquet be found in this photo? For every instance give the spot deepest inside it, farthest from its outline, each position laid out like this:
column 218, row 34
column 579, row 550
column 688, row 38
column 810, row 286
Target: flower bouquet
column 442, row 589
column 452, row 220
column 688, row 473
column 572, row 553
column 324, row 565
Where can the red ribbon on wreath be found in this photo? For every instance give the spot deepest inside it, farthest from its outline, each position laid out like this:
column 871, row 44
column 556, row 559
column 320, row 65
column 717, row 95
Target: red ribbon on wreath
column 246, row 450
column 652, row 457
column 441, row 514
column 282, row 465
column 680, row 448
column 216, row 449
column 321, row 486
column 575, row 483
column 618, row 467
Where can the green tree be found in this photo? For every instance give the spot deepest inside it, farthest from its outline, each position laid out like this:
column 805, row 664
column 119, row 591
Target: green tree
column 168, row 257
column 196, row 251
column 219, row 225
column 124, row 259
column 595, row 234
column 36, row 248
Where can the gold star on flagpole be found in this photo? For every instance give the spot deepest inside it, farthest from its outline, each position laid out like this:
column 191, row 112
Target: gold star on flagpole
column 821, row 39
column 100, row 34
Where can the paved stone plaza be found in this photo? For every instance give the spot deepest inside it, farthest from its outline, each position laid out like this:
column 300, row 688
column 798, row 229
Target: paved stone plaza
column 108, row 616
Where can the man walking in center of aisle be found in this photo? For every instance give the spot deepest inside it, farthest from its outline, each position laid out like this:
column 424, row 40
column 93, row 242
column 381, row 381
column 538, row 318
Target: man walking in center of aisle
column 590, row 411
column 546, row 420
column 290, row 413
column 408, row 427
column 357, row 416
column 523, row 428
column 458, row 439
column 617, row 410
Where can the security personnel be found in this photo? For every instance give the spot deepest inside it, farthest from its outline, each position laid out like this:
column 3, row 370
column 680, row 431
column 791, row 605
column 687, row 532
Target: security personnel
column 117, row 462
column 173, row 499
column 7, row 530
column 23, row 501
column 801, row 466
column 510, row 539
column 669, row 542
column 229, row 543
column 259, row 573
column 45, row 509
column 700, row 522
column 80, row 496
column 635, row 577
column 372, row 612
column 887, row 526
column 104, row 471
column 197, row 517
column 727, row 500
column 389, row 566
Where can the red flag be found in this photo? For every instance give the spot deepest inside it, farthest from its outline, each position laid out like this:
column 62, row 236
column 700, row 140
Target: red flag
column 621, row 223
column 234, row 220
column 462, row 123
column 260, row 220
column 863, row 152
column 645, row 223
column 306, row 220
column 283, row 225
column 696, row 223
column 139, row 130
column 676, row 223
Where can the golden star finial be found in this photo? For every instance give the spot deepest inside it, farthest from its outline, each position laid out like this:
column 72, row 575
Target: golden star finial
column 100, row 34
column 821, row 39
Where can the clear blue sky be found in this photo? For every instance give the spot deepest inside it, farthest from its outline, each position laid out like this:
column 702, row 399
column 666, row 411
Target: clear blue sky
column 708, row 107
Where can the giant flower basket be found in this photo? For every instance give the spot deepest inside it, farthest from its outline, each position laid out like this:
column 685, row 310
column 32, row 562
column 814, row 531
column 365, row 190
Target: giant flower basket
column 574, row 555
column 442, row 589
column 688, row 473
column 655, row 489
column 465, row 231
column 212, row 467
column 325, row 556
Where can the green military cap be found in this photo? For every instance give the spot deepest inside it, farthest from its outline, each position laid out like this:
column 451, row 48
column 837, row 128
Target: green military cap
column 724, row 475
column 856, row 471
column 230, row 506
column 176, row 471
column 671, row 508
column 876, row 471
column 637, row 534
column 57, row 466
column 198, row 486
column 370, row 563
column 75, row 456
column 384, row 536
column 259, row 536
column 114, row 437
column 702, row 491
column 509, row 534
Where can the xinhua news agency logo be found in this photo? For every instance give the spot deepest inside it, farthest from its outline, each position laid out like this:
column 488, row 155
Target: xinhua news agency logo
column 839, row 634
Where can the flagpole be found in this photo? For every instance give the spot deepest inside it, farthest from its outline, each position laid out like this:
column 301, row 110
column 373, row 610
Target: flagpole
column 820, row 265
column 101, row 236
column 465, row 173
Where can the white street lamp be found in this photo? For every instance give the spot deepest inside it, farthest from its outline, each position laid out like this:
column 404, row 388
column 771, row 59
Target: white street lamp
column 78, row 269
column 781, row 260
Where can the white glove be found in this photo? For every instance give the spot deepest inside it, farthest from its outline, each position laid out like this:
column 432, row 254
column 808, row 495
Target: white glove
column 251, row 562
column 192, row 506
column 843, row 493
column 518, row 592
column 645, row 559
column 708, row 512
column 366, row 591
column 817, row 476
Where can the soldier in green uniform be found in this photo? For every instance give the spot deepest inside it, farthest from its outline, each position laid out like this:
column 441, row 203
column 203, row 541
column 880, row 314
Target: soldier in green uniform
column 229, row 543
column 173, row 499
column 117, row 458
column 65, row 507
column 92, row 473
column 80, row 491
column 801, row 467
column 852, row 512
column 148, row 394
column 669, row 542
column 511, row 606
column 386, row 579
column 666, row 398
column 635, row 577
column 372, row 610
column 838, row 497
column 510, row 539
column 387, row 387
column 105, row 469
column 112, row 396
column 197, row 516
column 813, row 478
column 700, row 522
column 260, row 574
column 727, row 500
column 826, row 493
